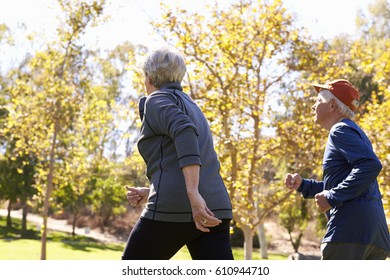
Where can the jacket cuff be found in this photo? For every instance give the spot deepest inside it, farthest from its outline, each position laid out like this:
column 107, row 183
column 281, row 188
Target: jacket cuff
column 187, row 148
column 304, row 188
column 332, row 200
column 189, row 160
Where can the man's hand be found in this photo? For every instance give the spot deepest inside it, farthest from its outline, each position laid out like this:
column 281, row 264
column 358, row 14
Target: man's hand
column 292, row 181
column 322, row 202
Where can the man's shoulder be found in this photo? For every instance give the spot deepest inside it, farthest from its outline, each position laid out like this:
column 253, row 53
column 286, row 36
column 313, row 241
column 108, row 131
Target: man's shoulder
column 346, row 129
column 344, row 124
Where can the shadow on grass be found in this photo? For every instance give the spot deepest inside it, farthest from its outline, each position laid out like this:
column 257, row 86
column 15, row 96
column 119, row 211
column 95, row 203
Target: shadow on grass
column 81, row 243
column 77, row 243
column 14, row 232
column 88, row 246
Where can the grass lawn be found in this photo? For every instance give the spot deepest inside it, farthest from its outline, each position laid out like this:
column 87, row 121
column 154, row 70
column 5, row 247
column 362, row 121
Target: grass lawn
column 62, row 246
column 27, row 249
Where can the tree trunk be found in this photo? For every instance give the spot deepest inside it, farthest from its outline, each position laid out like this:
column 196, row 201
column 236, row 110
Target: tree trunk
column 23, row 231
column 74, row 224
column 297, row 242
column 9, row 220
column 263, row 242
column 248, row 243
column 48, row 190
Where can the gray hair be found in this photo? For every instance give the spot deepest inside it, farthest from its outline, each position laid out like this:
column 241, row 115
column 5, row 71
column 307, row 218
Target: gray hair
column 163, row 66
column 342, row 108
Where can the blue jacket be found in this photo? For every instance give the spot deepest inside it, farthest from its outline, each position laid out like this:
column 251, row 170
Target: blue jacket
column 350, row 171
column 174, row 134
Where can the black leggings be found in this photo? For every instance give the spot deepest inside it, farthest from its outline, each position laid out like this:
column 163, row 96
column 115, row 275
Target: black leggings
column 156, row 240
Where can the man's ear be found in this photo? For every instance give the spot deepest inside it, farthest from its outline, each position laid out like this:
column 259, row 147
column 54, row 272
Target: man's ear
column 332, row 105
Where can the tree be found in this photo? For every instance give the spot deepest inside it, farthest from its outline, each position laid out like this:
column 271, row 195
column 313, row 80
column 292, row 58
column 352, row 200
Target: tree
column 375, row 26
column 295, row 218
column 5, row 35
column 7, row 184
column 17, row 183
column 47, row 96
column 107, row 199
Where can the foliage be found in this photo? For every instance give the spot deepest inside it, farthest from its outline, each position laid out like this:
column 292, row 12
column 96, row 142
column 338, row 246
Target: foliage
column 375, row 25
column 68, row 107
column 374, row 58
column 294, row 217
column 47, row 97
column 107, row 199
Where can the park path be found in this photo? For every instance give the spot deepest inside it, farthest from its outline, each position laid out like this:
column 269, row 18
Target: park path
column 62, row 225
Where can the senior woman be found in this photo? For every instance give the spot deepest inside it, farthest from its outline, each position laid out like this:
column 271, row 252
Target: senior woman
column 187, row 202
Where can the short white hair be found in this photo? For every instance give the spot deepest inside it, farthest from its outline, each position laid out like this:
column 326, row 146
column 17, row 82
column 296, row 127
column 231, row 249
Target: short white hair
column 342, row 108
column 164, row 66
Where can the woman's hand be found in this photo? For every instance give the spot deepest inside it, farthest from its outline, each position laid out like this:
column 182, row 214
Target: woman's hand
column 137, row 196
column 202, row 215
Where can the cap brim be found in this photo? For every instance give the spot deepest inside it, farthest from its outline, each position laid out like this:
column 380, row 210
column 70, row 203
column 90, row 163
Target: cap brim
column 318, row 87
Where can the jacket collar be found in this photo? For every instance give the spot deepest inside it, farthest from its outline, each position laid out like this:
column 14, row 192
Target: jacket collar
column 172, row 85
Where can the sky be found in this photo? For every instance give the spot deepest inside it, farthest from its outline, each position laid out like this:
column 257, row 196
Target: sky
column 130, row 18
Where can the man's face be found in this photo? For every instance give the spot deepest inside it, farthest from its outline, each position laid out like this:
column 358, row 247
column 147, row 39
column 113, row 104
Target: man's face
column 321, row 110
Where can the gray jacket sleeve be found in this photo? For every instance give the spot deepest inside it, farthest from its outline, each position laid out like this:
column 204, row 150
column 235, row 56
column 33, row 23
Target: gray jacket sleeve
column 164, row 117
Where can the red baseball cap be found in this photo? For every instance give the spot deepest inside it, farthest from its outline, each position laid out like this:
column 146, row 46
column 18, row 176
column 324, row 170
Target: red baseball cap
column 343, row 90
